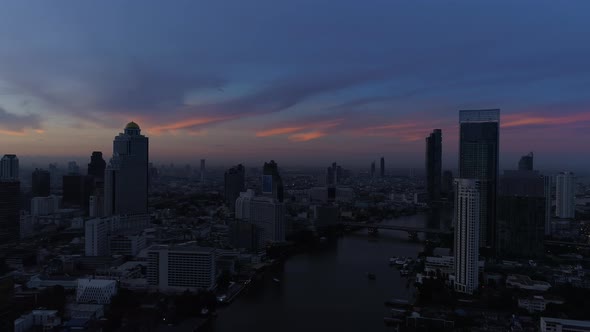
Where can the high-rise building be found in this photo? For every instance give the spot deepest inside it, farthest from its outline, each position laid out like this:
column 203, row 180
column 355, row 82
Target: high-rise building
column 272, row 181
column 548, row 191
column 434, row 164
column 9, row 167
column 77, row 190
column 73, row 168
column 334, row 174
column 97, row 166
column 526, row 162
column 478, row 159
column 382, row 167
column 126, row 177
column 521, row 215
column 41, row 206
column 202, row 171
column 181, row 267
column 467, row 222
column 41, row 182
column 373, row 169
column 446, row 187
column 234, row 182
column 9, row 210
column 565, row 203
column 267, row 213
column 96, row 237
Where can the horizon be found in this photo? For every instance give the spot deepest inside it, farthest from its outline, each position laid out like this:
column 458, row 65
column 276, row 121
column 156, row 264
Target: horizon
column 295, row 84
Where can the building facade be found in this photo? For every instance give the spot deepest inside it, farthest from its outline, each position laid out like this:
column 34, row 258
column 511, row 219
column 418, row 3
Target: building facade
column 41, row 183
column 96, row 237
column 434, row 164
column 565, row 198
column 234, row 183
column 467, row 222
column 478, row 159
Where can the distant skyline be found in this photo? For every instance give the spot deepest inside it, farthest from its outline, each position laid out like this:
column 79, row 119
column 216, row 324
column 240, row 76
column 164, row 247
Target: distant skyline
column 304, row 83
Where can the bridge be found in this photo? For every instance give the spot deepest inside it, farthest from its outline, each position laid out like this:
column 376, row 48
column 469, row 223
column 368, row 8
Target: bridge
column 409, row 229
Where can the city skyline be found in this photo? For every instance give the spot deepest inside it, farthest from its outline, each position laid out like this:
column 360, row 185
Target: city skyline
column 244, row 89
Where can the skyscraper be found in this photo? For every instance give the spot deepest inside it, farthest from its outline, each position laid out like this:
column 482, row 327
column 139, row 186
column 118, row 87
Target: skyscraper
column 266, row 213
column 433, row 164
column 382, row 167
column 202, row 171
column 41, row 182
column 9, row 167
column 521, row 215
column 334, row 175
column 565, row 203
column 97, row 166
column 478, row 159
column 73, row 168
column 126, row 177
column 467, row 223
column 526, row 162
column 96, row 237
column 235, row 183
column 373, row 169
column 272, row 181
column 9, row 199
column 446, row 187
column 77, row 190
column 548, row 191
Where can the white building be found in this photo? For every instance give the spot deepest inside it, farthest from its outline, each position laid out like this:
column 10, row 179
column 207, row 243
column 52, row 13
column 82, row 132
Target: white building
column 536, row 303
column 96, row 237
column 47, row 320
column 42, row 206
column 565, row 202
column 267, row 213
column 563, row 325
column 129, row 244
column 98, row 291
column 526, row 283
column 467, row 220
column 181, row 267
column 126, row 176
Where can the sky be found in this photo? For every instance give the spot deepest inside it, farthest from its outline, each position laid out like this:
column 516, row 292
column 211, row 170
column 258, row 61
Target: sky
column 301, row 82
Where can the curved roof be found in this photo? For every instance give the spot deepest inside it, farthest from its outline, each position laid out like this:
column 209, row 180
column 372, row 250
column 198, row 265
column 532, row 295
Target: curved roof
column 132, row 125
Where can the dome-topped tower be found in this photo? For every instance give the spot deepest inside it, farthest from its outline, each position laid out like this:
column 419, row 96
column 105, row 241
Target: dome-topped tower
column 132, row 128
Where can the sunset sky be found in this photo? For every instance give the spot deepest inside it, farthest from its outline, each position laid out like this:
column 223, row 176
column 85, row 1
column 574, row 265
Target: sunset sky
column 301, row 82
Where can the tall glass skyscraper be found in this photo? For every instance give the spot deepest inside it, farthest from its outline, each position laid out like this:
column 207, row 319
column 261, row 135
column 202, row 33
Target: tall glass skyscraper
column 126, row 176
column 433, row 164
column 478, row 159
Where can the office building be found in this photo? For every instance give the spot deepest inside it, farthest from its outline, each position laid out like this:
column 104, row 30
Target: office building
column 433, row 165
column 446, row 187
column 382, row 167
column 41, row 183
column 234, row 183
column 478, row 159
column 373, row 169
column 96, row 206
column 202, row 171
column 99, row 291
column 73, row 168
column 267, row 213
column 178, row 268
column 128, row 243
column 97, row 166
column 9, row 167
column 526, row 162
column 548, row 190
column 96, row 237
column 334, row 174
column 521, row 215
column 272, row 183
column 77, row 190
column 126, row 176
column 565, row 195
column 467, row 222
column 549, row 324
column 42, row 206
column 9, row 209
column 245, row 235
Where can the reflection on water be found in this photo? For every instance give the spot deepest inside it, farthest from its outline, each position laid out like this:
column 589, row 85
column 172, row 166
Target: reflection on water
column 328, row 289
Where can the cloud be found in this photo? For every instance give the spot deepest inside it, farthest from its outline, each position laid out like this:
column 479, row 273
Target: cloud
column 532, row 119
column 15, row 124
column 307, row 136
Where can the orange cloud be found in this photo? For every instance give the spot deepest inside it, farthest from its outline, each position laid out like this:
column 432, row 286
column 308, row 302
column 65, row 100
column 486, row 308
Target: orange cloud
column 308, row 136
column 12, row 133
column 185, row 124
column 278, row 131
column 530, row 119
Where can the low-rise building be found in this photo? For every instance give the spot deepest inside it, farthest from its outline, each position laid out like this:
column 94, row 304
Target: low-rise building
column 46, row 320
column 99, row 291
column 526, row 283
column 537, row 303
column 549, row 324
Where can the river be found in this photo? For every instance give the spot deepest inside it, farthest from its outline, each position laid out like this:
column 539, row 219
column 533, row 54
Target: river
column 328, row 289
